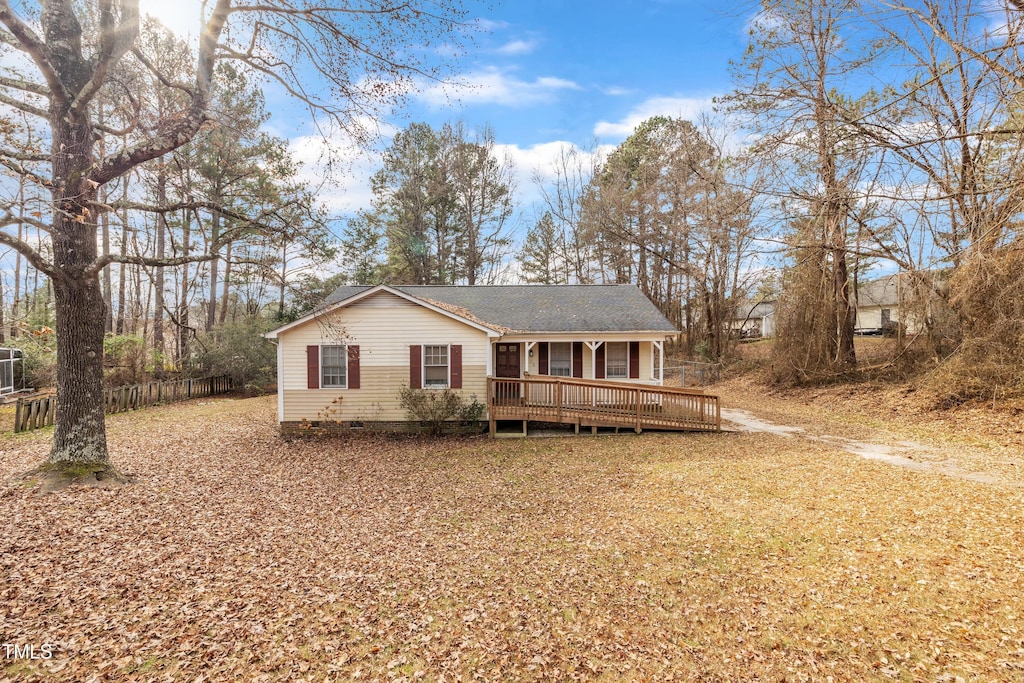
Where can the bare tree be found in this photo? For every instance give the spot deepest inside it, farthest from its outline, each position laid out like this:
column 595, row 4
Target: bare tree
column 563, row 197
column 793, row 85
column 352, row 50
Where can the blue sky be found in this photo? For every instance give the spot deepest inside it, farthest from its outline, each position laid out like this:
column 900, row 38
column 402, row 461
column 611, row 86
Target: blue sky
column 611, row 59
column 545, row 74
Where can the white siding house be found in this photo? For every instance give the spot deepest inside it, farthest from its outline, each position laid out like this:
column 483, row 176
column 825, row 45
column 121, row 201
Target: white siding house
column 345, row 364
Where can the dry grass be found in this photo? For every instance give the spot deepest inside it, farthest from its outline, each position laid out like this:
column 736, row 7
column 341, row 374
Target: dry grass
column 652, row 557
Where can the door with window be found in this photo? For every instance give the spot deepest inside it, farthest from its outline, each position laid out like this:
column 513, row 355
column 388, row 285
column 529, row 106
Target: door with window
column 506, row 365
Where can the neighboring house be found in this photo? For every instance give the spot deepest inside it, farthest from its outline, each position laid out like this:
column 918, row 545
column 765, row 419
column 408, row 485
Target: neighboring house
column 878, row 305
column 347, row 362
column 884, row 304
column 754, row 320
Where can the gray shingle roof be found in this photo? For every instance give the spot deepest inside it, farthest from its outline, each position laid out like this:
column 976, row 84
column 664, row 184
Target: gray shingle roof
column 542, row 308
column 747, row 309
column 882, row 292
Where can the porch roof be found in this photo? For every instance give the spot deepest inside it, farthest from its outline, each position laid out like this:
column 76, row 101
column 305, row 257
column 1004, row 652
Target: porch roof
column 542, row 308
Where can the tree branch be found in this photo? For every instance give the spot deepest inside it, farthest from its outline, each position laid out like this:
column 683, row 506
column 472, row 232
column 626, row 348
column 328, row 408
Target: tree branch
column 23, row 85
column 182, row 132
column 23, row 156
column 24, row 248
column 107, row 259
column 29, row 43
column 160, row 76
column 116, row 39
column 23, row 106
column 22, row 171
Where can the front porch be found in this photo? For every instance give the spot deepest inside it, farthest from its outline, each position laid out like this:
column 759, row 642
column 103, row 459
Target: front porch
column 600, row 403
column 625, row 358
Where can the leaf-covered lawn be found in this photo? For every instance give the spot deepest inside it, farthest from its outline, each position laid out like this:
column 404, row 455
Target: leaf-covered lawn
column 237, row 555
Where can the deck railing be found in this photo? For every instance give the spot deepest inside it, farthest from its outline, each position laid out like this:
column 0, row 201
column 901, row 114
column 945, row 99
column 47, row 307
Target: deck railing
column 601, row 403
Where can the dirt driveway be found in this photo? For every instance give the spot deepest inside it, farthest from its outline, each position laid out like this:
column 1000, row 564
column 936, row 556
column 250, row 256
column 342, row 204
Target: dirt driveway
column 973, row 444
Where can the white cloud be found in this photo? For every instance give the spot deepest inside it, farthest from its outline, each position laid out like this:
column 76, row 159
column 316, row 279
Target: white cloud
column 539, row 162
column 338, row 168
column 689, row 108
column 517, row 47
column 492, row 85
column 617, row 91
column 483, row 24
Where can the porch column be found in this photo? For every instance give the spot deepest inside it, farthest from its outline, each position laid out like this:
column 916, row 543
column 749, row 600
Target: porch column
column 593, row 357
column 660, row 345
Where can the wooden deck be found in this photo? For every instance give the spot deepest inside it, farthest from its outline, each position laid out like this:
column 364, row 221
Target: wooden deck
column 600, row 403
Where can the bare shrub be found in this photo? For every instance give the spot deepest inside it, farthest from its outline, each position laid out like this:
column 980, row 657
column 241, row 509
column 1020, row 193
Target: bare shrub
column 432, row 409
column 805, row 345
column 987, row 294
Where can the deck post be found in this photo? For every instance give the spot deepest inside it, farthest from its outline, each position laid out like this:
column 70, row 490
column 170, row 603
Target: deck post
column 492, row 423
column 638, row 416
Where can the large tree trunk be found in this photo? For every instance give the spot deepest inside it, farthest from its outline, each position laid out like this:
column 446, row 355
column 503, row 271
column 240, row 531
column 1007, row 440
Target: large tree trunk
column 79, row 435
column 846, row 314
column 79, row 450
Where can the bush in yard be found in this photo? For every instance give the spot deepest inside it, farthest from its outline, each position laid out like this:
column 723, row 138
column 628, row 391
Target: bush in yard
column 987, row 294
column 433, row 408
column 124, row 356
column 38, row 347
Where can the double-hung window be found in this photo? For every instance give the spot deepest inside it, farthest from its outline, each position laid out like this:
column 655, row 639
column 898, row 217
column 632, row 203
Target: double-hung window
column 616, row 360
column 435, row 366
column 560, row 359
column 334, row 366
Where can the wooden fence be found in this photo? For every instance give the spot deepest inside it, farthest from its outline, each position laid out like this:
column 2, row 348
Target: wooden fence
column 692, row 373
column 34, row 413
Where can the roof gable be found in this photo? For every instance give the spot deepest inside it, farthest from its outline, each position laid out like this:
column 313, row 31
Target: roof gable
column 348, row 295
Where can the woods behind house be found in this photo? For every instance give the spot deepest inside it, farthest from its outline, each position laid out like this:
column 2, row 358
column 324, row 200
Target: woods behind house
column 810, row 179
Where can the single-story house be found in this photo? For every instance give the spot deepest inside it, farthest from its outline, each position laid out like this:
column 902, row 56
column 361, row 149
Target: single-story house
column 890, row 302
column 754, row 320
column 345, row 363
column 878, row 305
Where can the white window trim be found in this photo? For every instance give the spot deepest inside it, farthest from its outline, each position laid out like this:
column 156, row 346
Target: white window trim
column 606, row 375
column 423, row 367
column 321, row 359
